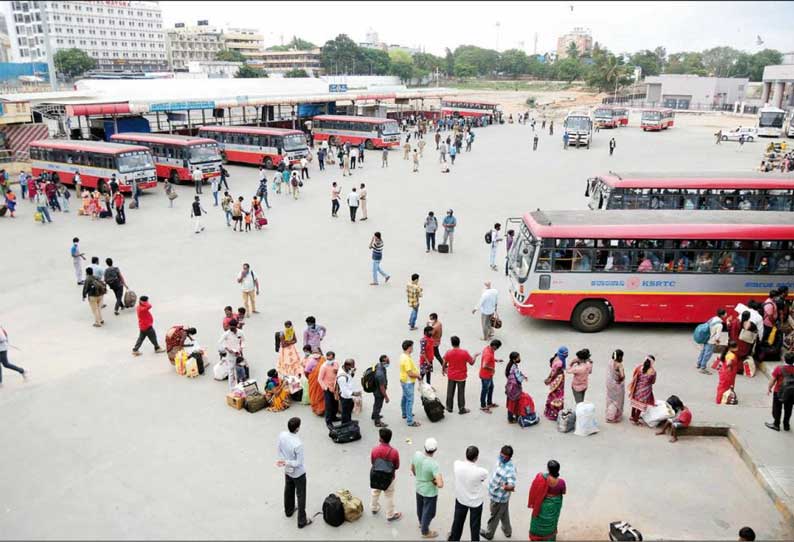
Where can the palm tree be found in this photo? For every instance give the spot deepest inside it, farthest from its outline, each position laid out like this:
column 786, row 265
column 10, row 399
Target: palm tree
column 572, row 51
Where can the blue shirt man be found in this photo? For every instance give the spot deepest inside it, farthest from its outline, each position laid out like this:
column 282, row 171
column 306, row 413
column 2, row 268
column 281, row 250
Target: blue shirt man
column 449, row 223
column 500, row 486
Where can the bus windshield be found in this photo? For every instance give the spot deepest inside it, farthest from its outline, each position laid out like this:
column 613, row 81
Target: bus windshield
column 773, row 119
column 522, row 254
column 577, row 123
column 390, row 128
column 134, row 161
column 204, row 153
column 603, row 113
column 651, row 115
column 294, row 142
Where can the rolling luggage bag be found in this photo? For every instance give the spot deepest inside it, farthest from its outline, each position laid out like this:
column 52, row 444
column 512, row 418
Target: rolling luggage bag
column 129, row 299
column 345, row 432
column 443, row 249
column 433, row 409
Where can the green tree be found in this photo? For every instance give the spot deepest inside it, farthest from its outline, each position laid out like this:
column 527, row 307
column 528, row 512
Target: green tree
column 296, row 44
column 608, row 72
column 247, row 72
column 229, row 55
column 761, row 59
column 569, row 69
column 449, row 62
column 402, row 65
column 297, row 72
column 719, row 61
column 687, row 62
column 572, row 51
column 484, row 61
column 341, row 55
column 73, row 62
column 514, row 62
column 464, row 68
column 375, row 61
column 426, row 64
column 648, row 61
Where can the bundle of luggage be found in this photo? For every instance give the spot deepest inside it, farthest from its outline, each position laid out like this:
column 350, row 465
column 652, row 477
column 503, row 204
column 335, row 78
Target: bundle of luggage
column 342, row 433
column 340, row 507
column 622, row 531
column 434, row 408
column 190, row 365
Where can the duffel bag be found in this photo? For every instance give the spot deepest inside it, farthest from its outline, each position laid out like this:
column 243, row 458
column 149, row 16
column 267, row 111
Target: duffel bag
column 255, row 402
column 622, row 531
column 434, row 409
column 129, row 299
column 345, row 432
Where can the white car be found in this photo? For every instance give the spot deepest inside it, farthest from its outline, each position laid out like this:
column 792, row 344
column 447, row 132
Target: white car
column 750, row 134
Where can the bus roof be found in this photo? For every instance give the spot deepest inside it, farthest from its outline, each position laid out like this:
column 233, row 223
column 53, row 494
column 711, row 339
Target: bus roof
column 655, row 109
column 169, row 139
column 91, row 146
column 634, row 224
column 353, row 118
column 460, row 101
column 257, row 130
column 704, row 180
column 770, row 109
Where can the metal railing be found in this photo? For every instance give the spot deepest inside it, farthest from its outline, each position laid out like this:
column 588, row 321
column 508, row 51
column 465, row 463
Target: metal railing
column 641, row 101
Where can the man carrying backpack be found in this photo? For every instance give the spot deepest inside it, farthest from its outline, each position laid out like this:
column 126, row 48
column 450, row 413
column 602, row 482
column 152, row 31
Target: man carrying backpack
column 94, row 289
column 782, row 384
column 378, row 384
column 385, row 461
column 715, row 327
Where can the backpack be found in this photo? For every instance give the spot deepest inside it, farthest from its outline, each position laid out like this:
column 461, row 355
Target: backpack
column 66, row 194
column 368, row 382
column 786, row 394
column 112, row 276
column 702, row 333
column 333, row 511
column 488, row 238
column 381, row 474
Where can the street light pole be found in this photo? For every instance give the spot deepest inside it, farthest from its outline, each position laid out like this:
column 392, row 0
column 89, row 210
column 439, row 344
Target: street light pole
column 47, row 49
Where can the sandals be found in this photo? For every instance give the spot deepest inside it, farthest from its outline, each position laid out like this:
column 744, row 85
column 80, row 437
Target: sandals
column 414, row 424
column 395, row 517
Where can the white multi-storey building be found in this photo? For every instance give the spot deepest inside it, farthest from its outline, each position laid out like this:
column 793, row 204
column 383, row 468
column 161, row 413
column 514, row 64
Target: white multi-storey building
column 192, row 44
column 119, row 35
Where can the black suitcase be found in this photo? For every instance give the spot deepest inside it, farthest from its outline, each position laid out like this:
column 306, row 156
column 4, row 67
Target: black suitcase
column 433, row 409
column 345, row 432
column 622, row 531
column 3, row 210
column 104, row 214
column 120, row 219
column 443, row 249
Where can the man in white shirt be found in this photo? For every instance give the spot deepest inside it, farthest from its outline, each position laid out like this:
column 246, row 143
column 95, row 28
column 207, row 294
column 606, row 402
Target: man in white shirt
column 304, row 168
column 496, row 238
column 469, row 488
column 290, row 458
column 249, row 285
column 198, row 177
column 353, row 202
column 487, row 307
column 347, row 389
column 230, row 347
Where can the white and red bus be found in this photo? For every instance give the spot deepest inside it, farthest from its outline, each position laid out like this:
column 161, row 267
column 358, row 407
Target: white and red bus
column 656, row 119
column 468, row 108
column 258, row 145
column 621, row 116
column 175, row 156
column 604, row 117
column 374, row 132
column 646, row 266
column 96, row 161
column 741, row 191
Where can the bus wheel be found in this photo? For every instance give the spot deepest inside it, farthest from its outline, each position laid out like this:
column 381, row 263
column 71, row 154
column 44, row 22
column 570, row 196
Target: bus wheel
column 368, row 144
column 102, row 187
column 590, row 316
column 268, row 163
column 173, row 177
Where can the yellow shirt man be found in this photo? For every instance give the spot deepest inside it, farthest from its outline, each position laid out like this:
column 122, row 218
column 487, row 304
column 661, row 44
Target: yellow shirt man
column 407, row 365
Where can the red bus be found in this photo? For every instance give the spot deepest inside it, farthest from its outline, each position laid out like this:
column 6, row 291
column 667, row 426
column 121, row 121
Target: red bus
column 741, row 191
column 258, row 145
column 468, row 108
column 646, row 266
column 657, row 119
column 374, row 132
column 175, row 156
column 604, row 117
column 96, row 161
column 621, row 115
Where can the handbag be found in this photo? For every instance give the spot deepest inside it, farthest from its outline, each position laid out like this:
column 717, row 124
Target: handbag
column 496, row 322
column 747, row 336
column 172, row 195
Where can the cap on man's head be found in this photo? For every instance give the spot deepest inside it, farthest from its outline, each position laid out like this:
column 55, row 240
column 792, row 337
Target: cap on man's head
column 431, row 445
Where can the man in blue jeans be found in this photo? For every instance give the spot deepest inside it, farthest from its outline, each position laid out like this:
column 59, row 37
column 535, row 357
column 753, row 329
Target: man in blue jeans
column 716, row 325
column 409, row 373
column 414, row 292
column 428, row 481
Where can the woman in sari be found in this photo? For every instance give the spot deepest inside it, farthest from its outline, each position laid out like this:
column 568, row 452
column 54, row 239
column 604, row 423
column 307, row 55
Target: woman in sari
column 556, row 383
column 729, row 362
column 513, row 388
column 616, row 387
column 289, row 361
column 95, row 206
column 312, row 362
column 86, row 205
column 641, row 388
column 739, row 329
column 545, row 500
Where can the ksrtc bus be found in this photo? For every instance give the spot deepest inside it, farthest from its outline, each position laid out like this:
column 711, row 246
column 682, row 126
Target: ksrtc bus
column 770, row 122
column 604, row 117
column 657, row 119
column 621, row 116
column 578, row 126
column 373, row 132
column 646, row 266
column 176, row 156
column 469, row 108
column 258, row 145
column 97, row 163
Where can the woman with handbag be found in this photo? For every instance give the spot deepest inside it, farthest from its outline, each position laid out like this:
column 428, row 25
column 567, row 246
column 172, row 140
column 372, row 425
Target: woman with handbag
column 745, row 333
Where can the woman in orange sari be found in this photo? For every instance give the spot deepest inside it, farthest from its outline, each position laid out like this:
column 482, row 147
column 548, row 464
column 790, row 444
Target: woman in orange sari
column 728, row 365
column 312, row 362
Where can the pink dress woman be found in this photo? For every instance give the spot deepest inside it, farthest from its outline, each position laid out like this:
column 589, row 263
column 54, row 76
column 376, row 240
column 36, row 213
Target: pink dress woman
column 555, row 401
column 616, row 390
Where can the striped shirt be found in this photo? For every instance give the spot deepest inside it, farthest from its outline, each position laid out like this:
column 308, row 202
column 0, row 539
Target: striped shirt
column 504, row 474
column 377, row 248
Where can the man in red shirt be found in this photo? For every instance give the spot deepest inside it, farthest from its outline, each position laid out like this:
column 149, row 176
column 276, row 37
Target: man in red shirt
column 782, row 398
column 146, row 327
column 487, row 370
column 455, row 361
column 385, row 452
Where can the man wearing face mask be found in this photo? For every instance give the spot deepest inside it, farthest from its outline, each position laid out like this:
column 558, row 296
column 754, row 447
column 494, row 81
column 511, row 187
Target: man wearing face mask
column 785, row 265
column 500, row 486
column 380, row 394
column 346, row 389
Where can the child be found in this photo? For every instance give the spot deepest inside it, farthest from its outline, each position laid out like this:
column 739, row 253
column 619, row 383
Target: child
column 682, row 419
column 11, row 202
column 248, row 217
column 240, row 317
column 272, row 380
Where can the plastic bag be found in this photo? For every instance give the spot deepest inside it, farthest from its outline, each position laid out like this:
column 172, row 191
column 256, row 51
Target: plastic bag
column 566, row 421
column 657, row 414
column 426, row 391
column 585, row 420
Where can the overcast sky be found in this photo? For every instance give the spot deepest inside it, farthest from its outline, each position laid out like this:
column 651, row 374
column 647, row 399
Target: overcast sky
column 620, row 26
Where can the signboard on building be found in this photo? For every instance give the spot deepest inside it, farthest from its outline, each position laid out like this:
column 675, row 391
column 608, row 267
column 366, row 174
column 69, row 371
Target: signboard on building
column 180, row 106
column 179, row 25
column 204, row 22
column 342, row 87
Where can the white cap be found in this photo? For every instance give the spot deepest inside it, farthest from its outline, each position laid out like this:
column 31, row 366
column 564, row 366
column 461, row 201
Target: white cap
column 431, row 445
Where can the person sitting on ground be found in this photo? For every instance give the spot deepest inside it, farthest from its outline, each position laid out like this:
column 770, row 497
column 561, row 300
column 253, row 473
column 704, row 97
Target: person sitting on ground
column 682, row 419
column 273, row 380
column 177, row 338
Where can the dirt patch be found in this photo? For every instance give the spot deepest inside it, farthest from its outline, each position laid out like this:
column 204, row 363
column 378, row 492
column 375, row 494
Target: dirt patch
column 551, row 103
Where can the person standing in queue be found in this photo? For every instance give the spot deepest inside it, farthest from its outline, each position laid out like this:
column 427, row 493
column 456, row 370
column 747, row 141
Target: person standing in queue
column 290, row 458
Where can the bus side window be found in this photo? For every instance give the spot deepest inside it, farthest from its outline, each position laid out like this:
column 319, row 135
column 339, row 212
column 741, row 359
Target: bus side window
column 34, row 153
column 704, row 261
column 544, row 260
column 671, row 198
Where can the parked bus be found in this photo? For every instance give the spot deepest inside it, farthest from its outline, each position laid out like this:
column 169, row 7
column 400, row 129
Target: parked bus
column 175, row 156
column 621, row 116
column 96, row 161
column 657, row 119
column 770, row 122
column 258, row 145
column 646, row 266
column 374, row 132
column 579, row 126
column 468, row 108
column 743, row 191
column 604, row 117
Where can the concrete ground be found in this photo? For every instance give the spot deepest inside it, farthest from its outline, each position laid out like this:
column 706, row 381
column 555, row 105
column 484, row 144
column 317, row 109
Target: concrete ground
column 99, row 444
